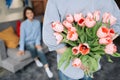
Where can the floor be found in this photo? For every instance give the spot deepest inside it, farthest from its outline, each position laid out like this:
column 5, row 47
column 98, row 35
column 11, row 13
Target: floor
column 32, row 72
column 109, row 71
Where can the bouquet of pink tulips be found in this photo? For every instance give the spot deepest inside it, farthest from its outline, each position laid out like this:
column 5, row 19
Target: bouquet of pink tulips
column 88, row 38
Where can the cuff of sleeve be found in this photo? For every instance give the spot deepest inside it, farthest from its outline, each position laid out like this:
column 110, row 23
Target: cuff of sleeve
column 38, row 44
column 21, row 49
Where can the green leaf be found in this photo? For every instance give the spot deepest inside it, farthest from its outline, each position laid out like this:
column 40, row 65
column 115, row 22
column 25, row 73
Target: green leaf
column 82, row 38
column 97, row 56
column 91, row 63
column 94, row 64
column 116, row 55
column 74, row 24
column 63, row 35
column 109, row 59
column 65, row 30
column 67, row 63
column 65, row 57
column 98, row 25
column 88, row 33
column 95, row 48
column 79, row 41
column 79, row 30
column 71, row 43
column 94, row 43
column 99, row 52
column 91, row 54
column 84, row 58
column 108, row 24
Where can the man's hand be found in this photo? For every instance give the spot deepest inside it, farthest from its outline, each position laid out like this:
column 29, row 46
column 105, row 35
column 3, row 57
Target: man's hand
column 20, row 53
column 61, row 50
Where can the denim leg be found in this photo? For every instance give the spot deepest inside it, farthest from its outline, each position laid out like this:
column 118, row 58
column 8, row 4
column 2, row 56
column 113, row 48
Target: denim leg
column 86, row 78
column 42, row 56
column 63, row 77
column 32, row 50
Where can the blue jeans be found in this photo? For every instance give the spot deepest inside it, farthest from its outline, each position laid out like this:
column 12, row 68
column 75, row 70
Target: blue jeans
column 36, row 53
column 63, row 77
